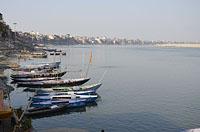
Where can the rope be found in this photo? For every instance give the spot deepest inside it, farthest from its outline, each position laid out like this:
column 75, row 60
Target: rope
column 25, row 110
column 19, row 119
column 103, row 75
column 90, row 62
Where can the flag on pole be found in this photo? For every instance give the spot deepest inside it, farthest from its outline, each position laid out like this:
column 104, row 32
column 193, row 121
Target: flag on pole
column 90, row 57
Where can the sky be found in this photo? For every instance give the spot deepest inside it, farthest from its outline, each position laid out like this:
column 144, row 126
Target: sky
column 173, row 20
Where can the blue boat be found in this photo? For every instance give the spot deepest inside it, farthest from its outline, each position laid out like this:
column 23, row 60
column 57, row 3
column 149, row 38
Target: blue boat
column 77, row 103
column 71, row 103
column 89, row 98
column 46, row 93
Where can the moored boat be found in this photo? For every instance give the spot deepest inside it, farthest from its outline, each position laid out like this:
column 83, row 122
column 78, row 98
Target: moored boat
column 38, row 75
column 70, row 103
column 39, row 66
column 89, row 98
column 93, row 87
column 39, row 54
column 52, row 53
column 46, row 110
column 45, row 93
column 34, row 79
column 63, row 53
column 49, row 49
column 57, row 53
column 53, row 83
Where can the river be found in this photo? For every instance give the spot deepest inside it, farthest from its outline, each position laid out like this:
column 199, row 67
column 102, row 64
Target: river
column 145, row 89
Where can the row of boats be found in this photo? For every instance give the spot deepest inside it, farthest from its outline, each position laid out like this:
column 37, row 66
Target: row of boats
column 52, row 93
column 45, row 75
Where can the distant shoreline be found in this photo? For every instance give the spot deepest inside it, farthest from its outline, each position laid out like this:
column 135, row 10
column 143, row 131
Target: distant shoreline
column 178, row 45
column 166, row 45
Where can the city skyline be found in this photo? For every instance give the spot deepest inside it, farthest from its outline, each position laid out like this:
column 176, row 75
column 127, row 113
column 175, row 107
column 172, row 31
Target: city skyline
column 174, row 20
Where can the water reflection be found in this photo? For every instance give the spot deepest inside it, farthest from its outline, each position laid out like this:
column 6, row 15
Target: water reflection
column 134, row 122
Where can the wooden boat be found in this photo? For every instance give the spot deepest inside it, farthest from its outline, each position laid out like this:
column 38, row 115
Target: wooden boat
column 89, row 98
column 38, row 75
column 60, row 112
column 35, row 71
column 57, row 53
column 52, row 53
column 34, row 79
column 83, row 88
column 45, row 93
column 53, row 83
column 40, row 71
column 39, row 54
column 93, row 87
column 70, row 102
column 40, row 66
column 49, row 49
column 45, row 110
column 63, row 53
column 49, row 65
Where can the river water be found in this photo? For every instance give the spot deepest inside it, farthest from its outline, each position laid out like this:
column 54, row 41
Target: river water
column 145, row 89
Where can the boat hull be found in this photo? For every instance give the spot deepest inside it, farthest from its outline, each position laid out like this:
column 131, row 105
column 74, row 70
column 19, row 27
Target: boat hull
column 70, row 103
column 15, row 80
column 49, row 84
column 53, row 65
column 46, row 93
column 88, row 98
column 92, row 87
column 39, row 75
column 45, row 110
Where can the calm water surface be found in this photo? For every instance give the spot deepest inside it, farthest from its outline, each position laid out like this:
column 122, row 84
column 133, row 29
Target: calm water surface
column 144, row 89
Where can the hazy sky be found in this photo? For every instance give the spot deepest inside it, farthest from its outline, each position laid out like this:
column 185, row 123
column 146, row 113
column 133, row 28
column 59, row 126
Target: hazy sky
column 144, row 19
